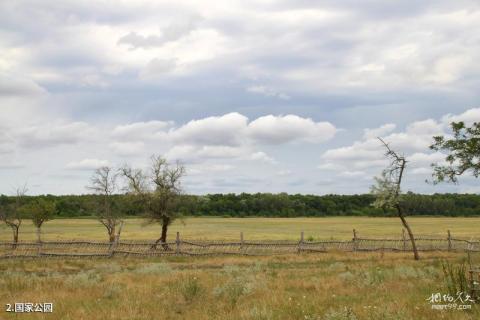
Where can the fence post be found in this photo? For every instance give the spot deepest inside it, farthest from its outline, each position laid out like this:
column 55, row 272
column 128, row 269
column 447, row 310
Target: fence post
column 241, row 240
column 354, row 240
column 300, row 242
column 177, row 243
column 404, row 238
column 449, row 238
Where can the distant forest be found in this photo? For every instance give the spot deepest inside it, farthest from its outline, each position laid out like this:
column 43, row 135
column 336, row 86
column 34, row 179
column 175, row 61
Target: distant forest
column 275, row 205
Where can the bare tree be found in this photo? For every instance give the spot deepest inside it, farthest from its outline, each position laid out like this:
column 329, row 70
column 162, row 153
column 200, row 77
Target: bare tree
column 159, row 191
column 104, row 184
column 11, row 213
column 388, row 189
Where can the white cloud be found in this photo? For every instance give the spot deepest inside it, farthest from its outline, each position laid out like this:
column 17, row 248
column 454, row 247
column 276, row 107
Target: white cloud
column 378, row 132
column 87, row 164
column 52, row 134
column 226, row 130
column 367, row 154
column 469, row 117
column 170, row 33
column 268, row 92
column 282, row 129
column 141, row 130
column 262, row 156
column 128, row 148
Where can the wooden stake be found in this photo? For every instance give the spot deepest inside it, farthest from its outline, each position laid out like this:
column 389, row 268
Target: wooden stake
column 354, row 240
column 177, row 243
column 404, row 240
column 301, row 242
column 449, row 238
column 241, row 240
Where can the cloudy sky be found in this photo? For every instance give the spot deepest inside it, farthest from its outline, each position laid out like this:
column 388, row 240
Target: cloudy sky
column 254, row 96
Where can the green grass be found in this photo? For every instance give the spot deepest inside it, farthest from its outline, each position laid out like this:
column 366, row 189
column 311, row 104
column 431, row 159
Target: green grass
column 254, row 228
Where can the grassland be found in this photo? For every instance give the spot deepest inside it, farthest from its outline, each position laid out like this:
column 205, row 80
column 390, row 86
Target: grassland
column 254, row 228
column 329, row 286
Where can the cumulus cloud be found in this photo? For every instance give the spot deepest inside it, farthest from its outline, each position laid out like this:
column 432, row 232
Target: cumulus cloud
column 378, row 132
column 226, row 130
column 282, row 129
column 469, row 117
column 87, row 164
column 141, row 130
column 414, row 142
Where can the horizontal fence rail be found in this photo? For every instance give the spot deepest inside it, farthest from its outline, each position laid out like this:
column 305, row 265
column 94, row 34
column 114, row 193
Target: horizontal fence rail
column 217, row 247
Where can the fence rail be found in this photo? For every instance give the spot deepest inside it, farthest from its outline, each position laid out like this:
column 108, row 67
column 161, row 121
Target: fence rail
column 218, row 247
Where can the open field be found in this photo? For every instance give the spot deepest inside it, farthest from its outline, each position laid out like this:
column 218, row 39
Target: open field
column 212, row 228
column 329, row 286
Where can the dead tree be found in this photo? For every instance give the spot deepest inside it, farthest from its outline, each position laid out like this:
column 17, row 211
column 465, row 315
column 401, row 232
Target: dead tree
column 12, row 214
column 104, row 184
column 388, row 189
column 158, row 190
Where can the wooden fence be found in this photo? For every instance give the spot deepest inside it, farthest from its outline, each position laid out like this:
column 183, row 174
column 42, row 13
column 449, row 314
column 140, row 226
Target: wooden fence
column 241, row 247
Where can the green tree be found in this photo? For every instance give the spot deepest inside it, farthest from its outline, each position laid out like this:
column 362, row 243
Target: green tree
column 159, row 190
column 39, row 211
column 388, row 190
column 12, row 214
column 463, row 152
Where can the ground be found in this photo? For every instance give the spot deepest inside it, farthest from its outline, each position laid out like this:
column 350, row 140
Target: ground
column 211, row 228
column 329, row 286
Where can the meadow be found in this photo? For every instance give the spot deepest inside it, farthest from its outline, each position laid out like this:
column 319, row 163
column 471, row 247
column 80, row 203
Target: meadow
column 330, row 286
column 215, row 228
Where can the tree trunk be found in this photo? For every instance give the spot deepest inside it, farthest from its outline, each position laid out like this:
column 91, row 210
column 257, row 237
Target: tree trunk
column 15, row 236
column 163, row 237
column 111, row 234
column 39, row 239
column 410, row 233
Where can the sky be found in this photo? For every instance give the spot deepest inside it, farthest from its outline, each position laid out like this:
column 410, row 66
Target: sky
column 251, row 96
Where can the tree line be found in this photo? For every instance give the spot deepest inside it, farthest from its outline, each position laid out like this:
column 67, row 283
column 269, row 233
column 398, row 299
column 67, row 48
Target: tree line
column 268, row 205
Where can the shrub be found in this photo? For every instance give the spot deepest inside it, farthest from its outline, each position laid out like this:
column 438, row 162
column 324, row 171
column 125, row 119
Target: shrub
column 190, row 288
column 455, row 277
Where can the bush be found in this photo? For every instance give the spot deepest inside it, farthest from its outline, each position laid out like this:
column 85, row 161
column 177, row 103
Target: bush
column 190, row 288
column 455, row 277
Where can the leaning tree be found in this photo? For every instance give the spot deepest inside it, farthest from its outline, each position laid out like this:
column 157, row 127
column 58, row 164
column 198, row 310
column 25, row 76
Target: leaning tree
column 11, row 212
column 158, row 190
column 104, row 183
column 388, row 189
column 463, row 152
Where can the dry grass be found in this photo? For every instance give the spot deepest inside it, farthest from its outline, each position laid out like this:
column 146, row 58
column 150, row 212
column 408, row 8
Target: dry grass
column 254, row 228
column 321, row 286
